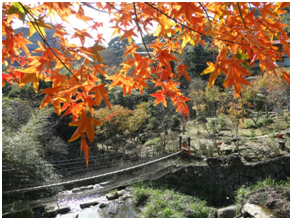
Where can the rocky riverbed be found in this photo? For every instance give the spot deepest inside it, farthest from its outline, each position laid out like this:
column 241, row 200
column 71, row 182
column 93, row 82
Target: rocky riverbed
column 115, row 204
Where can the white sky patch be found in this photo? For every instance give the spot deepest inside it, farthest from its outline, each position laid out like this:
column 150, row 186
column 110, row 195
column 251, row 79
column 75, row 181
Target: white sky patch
column 96, row 16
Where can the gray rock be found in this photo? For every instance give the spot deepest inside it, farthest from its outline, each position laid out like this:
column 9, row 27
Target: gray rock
column 233, row 159
column 243, row 179
column 269, row 175
column 254, row 173
column 226, row 149
column 282, row 176
column 230, row 180
column 214, row 161
column 221, row 175
column 102, row 205
column 38, row 211
column 51, row 210
column 228, row 212
column 257, row 212
column 88, row 204
column 228, row 190
column 64, row 209
column 274, row 168
column 119, row 193
column 221, row 182
column 235, row 187
column 76, row 216
column 111, row 196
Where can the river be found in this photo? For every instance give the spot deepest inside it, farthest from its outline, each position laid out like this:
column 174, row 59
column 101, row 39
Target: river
column 119, row 208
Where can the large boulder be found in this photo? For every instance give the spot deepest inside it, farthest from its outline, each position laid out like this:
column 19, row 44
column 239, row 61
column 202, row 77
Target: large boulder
column 257, row 211
column 227, row 212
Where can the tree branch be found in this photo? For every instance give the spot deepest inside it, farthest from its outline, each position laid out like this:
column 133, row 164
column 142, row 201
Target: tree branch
column 241, row 15
column 89, row 6
column 191, row 29
column 134, row 5
column 45, row 41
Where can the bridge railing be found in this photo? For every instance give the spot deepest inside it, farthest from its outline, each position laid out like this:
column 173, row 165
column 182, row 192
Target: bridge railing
column 25, row 176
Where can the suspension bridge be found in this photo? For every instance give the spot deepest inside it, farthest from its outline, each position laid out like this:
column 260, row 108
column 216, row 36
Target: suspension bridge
column 116, row 168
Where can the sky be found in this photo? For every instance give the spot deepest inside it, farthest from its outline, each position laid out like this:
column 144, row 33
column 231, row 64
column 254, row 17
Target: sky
column 97, row 17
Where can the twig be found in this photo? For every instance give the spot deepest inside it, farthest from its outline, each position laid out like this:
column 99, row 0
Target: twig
column 89, row 6
column 241, row 15
column 191, row 29
column 45, row 41
column 134, row 5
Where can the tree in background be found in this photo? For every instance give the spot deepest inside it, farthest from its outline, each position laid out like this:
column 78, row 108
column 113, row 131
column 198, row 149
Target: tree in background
column 229, row 27
column 119, row 124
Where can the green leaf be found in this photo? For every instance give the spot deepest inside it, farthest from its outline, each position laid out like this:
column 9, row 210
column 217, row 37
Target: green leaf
column 241, row 55
column 244, row 64
column 17, row 8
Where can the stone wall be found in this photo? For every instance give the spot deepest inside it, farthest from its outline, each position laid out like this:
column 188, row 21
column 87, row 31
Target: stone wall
column 223, row 180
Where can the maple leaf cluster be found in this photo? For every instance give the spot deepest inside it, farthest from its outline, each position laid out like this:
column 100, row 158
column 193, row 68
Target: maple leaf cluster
column 241, row 36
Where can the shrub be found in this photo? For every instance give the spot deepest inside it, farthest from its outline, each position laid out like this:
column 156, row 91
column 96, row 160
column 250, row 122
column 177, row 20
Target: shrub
column 206, row 149
column 261, row 122
column 25, row 151
column 243, row 192
column 265, row 121
column 252, row 134
column 15, row 113
column 250, row 124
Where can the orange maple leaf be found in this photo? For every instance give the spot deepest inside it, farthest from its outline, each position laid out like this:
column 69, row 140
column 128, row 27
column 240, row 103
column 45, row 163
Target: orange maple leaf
column 234, row 73
column 182, row 70
column 100, row 92
column 131, row 49
column 160, row 97
column 81, row 35
column 85, row 125
column 164, row 57
column 129, row 34
column 80, row 15
column 84, row 147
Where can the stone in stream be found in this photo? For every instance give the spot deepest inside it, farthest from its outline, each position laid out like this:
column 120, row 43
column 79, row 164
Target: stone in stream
column 51, row 210
column 111, row 196
column 64, row 209
column 88, row 204
column 102, row 205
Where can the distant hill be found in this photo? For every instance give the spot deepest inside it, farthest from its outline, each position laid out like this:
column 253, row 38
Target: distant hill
column 36, row 37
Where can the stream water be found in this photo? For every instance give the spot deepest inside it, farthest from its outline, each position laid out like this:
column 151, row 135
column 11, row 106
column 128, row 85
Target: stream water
column 114, row 209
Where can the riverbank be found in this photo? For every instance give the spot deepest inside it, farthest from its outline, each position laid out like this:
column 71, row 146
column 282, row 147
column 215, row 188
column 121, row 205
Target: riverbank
column 269, row 197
